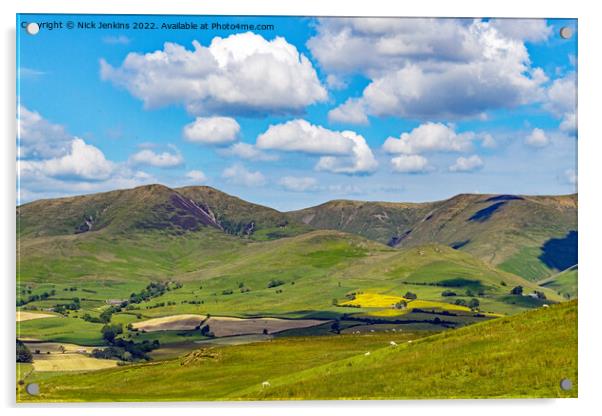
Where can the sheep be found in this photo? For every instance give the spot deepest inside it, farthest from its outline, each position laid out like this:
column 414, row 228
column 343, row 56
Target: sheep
column 410, row 341
column 393, row 343
column 367, row 354
column 265, row 384
column 545, row 305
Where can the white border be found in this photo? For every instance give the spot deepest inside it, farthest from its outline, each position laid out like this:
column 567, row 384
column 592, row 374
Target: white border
column 590, row 210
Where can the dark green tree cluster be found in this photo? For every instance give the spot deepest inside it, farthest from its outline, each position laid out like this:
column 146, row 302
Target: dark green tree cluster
column 23, row 353
column 275, row 282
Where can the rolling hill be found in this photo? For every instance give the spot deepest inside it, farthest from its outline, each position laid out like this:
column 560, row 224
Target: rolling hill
column 564, row 283
column 144, row 208
column 531, row 236
column 524, row 235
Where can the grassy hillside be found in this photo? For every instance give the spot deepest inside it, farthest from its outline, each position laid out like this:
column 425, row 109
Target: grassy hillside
column 311, row 275
column 525, row 235
column 154, row 207
column 565, row 283
column 147, row 207
column 500, row 358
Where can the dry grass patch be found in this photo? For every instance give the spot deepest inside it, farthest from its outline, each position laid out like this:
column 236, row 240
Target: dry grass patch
column 28, row 316
column 69, row 362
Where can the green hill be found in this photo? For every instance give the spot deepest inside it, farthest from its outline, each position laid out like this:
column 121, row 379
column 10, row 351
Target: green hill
column 531, row 236
column 152, row 207
column 564, row 283
column 525, row 355
column 294, row 276
column 525, row 235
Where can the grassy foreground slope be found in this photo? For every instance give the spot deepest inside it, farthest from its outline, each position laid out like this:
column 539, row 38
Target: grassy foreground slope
column 525, row 355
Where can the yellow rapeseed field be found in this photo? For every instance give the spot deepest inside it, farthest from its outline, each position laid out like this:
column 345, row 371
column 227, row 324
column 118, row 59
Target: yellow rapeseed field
column 374, row 300
column 377, row 300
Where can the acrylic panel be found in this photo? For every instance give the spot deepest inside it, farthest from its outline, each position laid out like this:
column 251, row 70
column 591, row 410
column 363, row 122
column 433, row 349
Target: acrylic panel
column 220, row 208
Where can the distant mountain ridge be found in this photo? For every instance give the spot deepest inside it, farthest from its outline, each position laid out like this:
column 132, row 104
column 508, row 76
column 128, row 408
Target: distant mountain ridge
column 511, row 232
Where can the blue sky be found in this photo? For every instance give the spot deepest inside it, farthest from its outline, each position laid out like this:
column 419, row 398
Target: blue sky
column 313, row 110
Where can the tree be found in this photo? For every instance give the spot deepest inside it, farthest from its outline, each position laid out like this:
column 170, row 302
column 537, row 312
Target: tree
column 335, row 302
column 62, row 349
column 206, row 331
column 110, row 332
column 410, row 295
column 23, row 353
column 473, row 304
column 275, row 282
column 448, row 293
column 336, row 327
column 517, row 290
column 469, row 293
column 402, row 304
column 265, row 331
column 460, row 302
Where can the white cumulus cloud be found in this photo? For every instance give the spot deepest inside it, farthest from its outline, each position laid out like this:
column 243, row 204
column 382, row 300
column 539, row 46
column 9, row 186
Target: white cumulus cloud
column 212, row 130
column 241, row 74
column 430, row 137
column 430, row 68
column 159, row 160
column 562, row 101
column 38, row 137
column 410, row 164
column 467, row 164
column 239, row 175
column 351, row 111
column 196, row 176
column 532, row 30
column 537, row 138
column 51, row 162
column 298, row 184
column 342, row 151
column 83, row 161
column 249, row 152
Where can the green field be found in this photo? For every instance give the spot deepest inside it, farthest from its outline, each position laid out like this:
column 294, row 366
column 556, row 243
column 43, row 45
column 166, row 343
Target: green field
column 500, row 358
